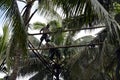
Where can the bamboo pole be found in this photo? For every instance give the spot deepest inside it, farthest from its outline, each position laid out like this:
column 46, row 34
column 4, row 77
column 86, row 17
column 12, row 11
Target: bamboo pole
column 40, row 57
column 68, row 30
column 67, row 46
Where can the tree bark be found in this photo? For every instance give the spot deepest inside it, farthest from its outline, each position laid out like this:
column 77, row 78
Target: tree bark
column 16, row 66
column 18, row 51
column 26, row 14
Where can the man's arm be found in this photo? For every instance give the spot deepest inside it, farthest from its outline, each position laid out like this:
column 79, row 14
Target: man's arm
column 41, row 30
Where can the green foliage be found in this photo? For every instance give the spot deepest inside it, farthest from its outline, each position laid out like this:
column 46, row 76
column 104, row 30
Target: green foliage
column 54, row 24
column 13, row 16
column 116, row 7
column 1, row 79
column 38, row 25
column 4, row 42
column 58, row 36
column 34, row 41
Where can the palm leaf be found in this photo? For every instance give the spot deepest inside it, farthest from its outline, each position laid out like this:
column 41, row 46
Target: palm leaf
column 3, row 42
column 38, row 25
column 58, row 37
column 13, row 17
column 31, row 65
column 113, row 26
column 48, row 10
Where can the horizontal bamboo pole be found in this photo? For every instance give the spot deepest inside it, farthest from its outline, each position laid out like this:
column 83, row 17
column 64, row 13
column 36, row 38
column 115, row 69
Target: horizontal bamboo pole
column 68, row 30
column 67, row 46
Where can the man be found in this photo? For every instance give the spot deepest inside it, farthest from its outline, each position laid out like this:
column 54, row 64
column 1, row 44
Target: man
column 53, row 51
column 45, row 35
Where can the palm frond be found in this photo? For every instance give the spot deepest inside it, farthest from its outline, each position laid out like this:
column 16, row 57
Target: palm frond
column 113, row 26
column 13, row 17
column 38, row 25
column 31, row 65
column 33, row 40
column 71, row 8
column 48, row 9
column 87, row 60
column 4, row 41
column 58, row 37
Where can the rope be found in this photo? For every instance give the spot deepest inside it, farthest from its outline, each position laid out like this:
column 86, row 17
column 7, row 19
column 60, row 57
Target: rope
column 68, row 30
column 69, row 46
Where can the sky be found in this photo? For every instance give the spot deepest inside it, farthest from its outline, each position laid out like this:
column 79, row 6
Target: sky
column 39, row 18
column 1, row 25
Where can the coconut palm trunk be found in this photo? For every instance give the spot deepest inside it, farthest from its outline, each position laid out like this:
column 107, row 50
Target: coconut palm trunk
column 16, row 65
column 26, row 14
column 18, row 50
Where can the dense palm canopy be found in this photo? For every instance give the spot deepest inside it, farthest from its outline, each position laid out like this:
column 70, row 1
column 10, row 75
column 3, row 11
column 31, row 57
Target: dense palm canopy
column 82, row 63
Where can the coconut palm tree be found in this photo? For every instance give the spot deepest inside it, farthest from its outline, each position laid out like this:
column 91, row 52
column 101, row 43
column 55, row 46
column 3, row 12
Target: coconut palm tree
column 91, row 12
column 19, row 24
column 73, row 53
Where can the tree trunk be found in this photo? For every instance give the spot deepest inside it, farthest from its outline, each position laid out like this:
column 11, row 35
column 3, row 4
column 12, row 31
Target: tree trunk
column 18, row 50
column 26, row 14
column 16, row 66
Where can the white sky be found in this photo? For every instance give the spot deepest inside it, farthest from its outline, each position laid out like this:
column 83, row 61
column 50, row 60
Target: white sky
column 2, row 75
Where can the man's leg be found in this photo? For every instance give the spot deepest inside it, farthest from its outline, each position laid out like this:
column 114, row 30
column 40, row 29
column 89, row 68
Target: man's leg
column 51, row 53
column 58, row 55
column 41, row 39
column 47, row 38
